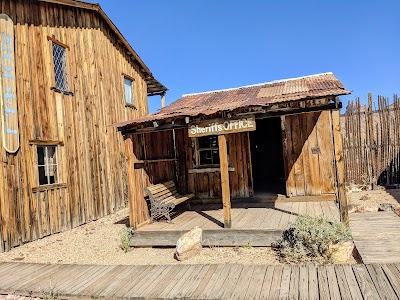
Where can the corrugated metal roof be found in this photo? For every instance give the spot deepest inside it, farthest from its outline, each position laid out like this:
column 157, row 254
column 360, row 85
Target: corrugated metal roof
column 263, row 94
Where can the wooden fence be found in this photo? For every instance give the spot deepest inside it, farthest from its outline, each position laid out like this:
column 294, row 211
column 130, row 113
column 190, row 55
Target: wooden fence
column 371, row 141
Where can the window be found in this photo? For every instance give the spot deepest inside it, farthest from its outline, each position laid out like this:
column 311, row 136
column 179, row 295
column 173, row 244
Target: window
column 60, row 67
column 128, row 83
column 47, row 165
column 207, row 149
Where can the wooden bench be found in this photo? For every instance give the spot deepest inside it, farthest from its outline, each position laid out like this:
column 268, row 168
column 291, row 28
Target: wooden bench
column 163, row 199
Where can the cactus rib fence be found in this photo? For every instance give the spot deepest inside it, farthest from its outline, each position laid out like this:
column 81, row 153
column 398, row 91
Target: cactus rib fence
column 371, row 141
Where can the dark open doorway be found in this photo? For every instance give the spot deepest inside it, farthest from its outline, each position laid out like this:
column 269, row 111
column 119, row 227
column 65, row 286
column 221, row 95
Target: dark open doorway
column 267, row 157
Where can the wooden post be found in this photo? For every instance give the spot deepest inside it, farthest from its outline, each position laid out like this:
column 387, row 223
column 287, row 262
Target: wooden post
column 226, row 194
column 372, row 147
column 340, row 175
column 131, row 182
column 163, row 100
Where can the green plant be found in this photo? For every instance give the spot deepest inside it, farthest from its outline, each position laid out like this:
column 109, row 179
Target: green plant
column 125, row 237
column 309, row 239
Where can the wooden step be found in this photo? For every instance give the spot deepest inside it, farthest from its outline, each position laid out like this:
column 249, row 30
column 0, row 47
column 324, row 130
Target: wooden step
column 216, row 237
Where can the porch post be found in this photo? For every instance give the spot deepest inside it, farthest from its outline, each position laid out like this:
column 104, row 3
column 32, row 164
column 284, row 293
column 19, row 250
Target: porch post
column 130, row 169
column 226, row 194
column 340, row 175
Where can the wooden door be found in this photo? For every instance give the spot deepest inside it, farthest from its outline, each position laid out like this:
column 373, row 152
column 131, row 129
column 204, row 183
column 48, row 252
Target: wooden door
column 309, row 154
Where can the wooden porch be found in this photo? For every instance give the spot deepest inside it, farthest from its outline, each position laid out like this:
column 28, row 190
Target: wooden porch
column 254, row 223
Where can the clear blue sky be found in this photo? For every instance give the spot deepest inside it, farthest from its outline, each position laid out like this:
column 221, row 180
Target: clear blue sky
column 196, row 46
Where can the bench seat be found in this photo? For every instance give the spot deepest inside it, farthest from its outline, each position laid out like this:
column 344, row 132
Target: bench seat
column 163, row 199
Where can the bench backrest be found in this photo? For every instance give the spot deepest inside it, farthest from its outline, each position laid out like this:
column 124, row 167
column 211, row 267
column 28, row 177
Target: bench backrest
column 163, row 190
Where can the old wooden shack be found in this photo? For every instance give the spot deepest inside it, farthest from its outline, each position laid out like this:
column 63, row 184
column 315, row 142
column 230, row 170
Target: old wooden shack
column 281, row 137
column 67, row 74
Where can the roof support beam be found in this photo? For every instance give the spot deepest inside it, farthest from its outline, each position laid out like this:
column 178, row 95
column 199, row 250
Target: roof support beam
column 293, row 111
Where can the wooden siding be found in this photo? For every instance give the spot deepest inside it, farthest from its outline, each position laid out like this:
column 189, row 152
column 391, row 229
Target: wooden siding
column 309, row 173
column 208, row 185
column 92, row 157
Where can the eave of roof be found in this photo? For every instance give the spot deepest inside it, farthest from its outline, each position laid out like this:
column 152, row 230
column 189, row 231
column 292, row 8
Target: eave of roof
column 256, row 95
column 154, row 86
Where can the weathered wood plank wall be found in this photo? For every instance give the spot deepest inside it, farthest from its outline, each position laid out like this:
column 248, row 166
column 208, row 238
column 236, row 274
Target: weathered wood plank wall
column 309, row 151
column 92, row 159
column 371, row 136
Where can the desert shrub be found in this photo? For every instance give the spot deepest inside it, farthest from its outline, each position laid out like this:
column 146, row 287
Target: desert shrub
column 309, row 238
column 125, row 238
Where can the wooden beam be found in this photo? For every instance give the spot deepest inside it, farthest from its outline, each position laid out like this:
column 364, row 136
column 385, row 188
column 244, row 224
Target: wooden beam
column 372, row 141
column 340, row 174
column 130, row 166
column 293, row 111
column 151, row 129
column 226, row 194
column 211, row 237
column 163, row 100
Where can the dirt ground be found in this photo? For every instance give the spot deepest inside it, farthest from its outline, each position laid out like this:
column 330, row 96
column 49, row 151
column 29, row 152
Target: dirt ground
column 98, row 242
column 373, row 198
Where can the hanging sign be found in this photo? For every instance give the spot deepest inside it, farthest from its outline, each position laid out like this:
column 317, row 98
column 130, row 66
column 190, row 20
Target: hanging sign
column 8, row 92
column 222, row 126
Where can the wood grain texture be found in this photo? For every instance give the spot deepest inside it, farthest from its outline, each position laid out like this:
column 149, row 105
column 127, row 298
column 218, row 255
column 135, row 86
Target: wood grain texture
column 91, row 153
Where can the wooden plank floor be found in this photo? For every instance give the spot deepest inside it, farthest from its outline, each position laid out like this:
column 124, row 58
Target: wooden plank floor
column 376, row 236
column 372, row 281
column 275, row 215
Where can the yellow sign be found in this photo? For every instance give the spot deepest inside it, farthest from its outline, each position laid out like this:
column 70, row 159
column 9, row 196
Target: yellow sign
column 8, row 90
column 222, row 126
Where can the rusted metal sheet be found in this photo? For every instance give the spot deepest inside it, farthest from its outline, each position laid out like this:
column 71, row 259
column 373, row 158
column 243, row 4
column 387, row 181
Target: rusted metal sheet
column 282, row 91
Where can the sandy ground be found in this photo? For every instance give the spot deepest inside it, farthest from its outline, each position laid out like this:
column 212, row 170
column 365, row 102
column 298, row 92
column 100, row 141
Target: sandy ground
column 99, row 243
column 374, row 198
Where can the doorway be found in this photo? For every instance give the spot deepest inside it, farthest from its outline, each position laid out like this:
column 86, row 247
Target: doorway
column 267, row 157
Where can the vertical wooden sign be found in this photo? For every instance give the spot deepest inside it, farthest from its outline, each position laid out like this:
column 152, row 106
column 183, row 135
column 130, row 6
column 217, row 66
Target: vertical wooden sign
column 8, row 91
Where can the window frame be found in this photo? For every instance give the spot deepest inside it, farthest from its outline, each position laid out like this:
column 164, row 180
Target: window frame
column 198, row 149
column 57, row 178
column 132, row 80
column 56, row 88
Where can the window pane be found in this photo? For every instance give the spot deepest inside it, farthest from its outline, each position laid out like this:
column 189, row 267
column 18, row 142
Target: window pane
column 42, row 176
column 208, row 141
column 205, row 157
column 128, row 91
column 215, row 157
column 50, row 158
column 60, row 67
column 40, row 154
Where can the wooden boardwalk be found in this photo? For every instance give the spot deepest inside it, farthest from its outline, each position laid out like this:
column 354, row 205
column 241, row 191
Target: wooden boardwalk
column 246, row 215
column 374, row 281
column 253, row 223
column 376, row 236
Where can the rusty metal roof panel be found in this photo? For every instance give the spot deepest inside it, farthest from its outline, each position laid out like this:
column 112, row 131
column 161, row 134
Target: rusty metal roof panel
column 287, row 90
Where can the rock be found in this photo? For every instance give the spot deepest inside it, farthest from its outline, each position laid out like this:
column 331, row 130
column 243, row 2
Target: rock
column 370, row 209
column 397, row 211
column 361, row 208
column 365, row 198
column 189, row 244
column 341, row 252
column 386, row 207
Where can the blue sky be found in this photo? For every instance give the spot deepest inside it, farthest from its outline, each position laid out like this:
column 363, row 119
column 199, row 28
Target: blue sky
column 196, row 46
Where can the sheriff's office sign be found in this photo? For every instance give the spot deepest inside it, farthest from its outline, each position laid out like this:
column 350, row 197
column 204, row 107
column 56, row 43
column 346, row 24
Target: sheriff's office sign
column 221, row 126
column 8, row 92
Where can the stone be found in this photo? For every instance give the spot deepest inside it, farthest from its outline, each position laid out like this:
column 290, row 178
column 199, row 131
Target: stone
column 386, row 207
column 397, row 211
column 341, row 252
column 361, row 208
column 189, row 244
column 365, row 198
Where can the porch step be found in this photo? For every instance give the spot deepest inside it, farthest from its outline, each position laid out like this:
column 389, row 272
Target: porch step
column 216, row 237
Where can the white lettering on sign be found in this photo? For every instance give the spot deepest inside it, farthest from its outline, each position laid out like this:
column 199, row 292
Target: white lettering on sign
column 8, row 85
column 216, row 127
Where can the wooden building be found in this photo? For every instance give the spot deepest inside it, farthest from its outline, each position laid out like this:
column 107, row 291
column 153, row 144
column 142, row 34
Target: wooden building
column 281, row 137
column 67, row 75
